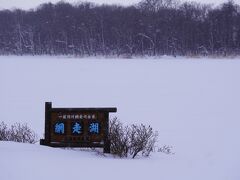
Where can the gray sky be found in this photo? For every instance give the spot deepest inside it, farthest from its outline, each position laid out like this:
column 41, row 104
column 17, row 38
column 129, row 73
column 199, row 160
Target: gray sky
column 26, row 4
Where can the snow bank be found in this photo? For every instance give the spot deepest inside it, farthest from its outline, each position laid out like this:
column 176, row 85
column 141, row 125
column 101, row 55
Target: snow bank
column 194, row 104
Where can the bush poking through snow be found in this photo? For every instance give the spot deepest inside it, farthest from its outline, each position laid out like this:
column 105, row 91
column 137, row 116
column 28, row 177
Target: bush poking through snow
column 142, row 139
column 3, row 132
column 119, row 138
column 18, row 133
column 166, row 149
column 131, row 140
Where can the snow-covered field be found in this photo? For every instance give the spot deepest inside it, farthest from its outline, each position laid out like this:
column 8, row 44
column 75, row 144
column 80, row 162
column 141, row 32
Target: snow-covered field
column 194, row 104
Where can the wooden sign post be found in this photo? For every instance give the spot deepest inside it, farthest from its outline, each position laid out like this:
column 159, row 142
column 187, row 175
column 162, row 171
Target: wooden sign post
column 77, row 127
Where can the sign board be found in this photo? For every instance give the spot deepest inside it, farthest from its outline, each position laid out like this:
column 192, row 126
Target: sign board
column 77, row 127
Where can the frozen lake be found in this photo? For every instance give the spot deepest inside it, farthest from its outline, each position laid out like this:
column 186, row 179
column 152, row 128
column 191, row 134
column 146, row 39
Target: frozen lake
column 194, row 104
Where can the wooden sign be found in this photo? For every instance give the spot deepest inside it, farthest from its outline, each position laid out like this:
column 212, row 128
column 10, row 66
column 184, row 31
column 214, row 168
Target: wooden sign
column 77, row 127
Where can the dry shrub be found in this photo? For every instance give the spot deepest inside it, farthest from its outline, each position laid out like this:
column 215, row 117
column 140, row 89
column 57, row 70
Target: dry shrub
column 119, row 138
column 131, row 140
column 18, row 133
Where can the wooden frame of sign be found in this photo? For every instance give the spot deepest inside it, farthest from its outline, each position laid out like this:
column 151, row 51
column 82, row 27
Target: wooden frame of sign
column 77, row 127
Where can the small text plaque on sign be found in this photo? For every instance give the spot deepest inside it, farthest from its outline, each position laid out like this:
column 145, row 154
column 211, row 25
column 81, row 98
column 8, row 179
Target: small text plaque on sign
column 77, row 127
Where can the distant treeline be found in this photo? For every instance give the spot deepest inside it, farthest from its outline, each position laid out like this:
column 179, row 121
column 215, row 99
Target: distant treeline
column 152, row 27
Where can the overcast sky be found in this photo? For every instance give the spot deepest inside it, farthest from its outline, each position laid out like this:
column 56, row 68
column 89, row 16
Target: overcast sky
column 27, row 4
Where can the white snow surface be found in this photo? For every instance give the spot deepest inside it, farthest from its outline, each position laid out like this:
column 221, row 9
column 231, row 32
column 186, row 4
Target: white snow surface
column 194, row 104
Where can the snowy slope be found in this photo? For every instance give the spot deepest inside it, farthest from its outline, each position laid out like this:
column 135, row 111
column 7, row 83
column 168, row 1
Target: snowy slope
column 21, row 162
column 193, row 103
